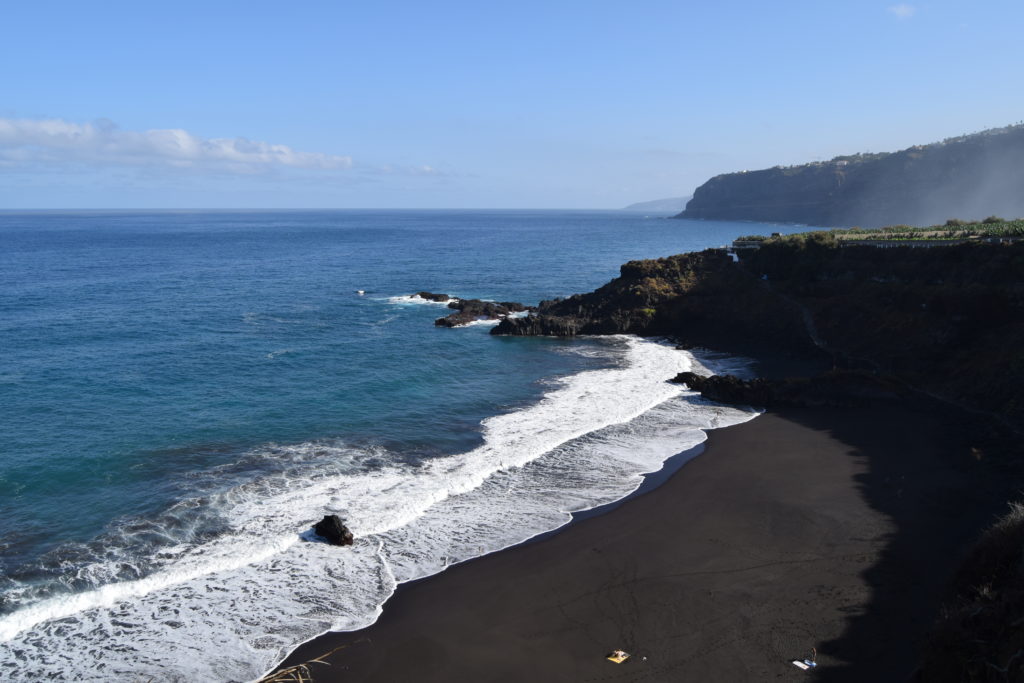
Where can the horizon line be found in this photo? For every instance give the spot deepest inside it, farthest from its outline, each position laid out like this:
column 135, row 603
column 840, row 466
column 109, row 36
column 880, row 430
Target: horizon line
column 353, row 208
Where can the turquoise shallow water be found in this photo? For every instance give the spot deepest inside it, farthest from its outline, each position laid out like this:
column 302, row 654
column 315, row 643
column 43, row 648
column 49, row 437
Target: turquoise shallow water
column 158, row 368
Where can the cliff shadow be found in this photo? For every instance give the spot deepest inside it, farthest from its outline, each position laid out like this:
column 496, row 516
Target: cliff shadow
column 926, row 474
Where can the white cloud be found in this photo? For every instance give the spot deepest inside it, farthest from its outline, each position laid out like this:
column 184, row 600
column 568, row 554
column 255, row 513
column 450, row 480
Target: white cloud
column 902, row 11
column 55, row 141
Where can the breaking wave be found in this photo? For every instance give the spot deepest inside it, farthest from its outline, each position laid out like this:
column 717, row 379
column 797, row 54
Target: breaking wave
column 221, row 586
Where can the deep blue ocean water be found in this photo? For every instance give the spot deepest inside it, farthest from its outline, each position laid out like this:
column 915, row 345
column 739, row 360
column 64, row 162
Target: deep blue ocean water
column 173, row 381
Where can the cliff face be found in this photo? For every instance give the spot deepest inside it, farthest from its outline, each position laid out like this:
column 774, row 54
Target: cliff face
column 968, row 177
column 949, row 320
column 694, row 297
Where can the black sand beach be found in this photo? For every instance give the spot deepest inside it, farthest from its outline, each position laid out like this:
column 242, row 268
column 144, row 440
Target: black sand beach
column 827, row 528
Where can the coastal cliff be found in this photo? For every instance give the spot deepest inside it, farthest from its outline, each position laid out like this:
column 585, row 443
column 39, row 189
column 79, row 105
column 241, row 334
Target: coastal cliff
column 947, row 320
column 966, row 177
column 688, row 296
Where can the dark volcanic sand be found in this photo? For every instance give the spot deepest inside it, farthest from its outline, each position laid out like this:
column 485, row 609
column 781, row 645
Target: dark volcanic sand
column 830, row 528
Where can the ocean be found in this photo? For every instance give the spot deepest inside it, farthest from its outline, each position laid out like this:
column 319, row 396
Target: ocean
column 184, row 393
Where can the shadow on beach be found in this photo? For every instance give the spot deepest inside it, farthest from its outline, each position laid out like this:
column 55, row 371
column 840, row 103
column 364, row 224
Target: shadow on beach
column 925, row 475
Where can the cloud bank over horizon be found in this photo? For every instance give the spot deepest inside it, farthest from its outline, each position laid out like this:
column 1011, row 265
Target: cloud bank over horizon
column 47, row 142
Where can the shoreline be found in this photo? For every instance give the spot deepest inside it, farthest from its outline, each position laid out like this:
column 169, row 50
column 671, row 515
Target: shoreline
column 773, row 365
column 835, row 529
column 651, row 481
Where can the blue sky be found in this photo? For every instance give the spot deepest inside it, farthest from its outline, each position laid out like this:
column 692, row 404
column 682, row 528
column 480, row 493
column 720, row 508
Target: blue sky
column 474, row 104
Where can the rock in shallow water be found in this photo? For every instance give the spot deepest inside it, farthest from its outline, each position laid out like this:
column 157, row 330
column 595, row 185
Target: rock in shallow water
column 431, row 296
column 469, row 310
column 333, row 530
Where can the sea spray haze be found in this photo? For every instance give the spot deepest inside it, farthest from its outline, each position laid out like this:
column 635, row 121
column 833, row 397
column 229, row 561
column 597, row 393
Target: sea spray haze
column 185, row 393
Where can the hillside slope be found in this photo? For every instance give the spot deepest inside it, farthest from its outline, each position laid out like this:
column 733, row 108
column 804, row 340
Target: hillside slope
column 969, row 177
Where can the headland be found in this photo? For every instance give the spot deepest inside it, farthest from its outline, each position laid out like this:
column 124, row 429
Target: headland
column 969, row 177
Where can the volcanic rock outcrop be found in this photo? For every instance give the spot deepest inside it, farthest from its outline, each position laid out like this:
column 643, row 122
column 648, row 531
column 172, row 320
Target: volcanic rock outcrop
column 333, row 530
column 472, row 310
column 947, row 320
column 431, row 296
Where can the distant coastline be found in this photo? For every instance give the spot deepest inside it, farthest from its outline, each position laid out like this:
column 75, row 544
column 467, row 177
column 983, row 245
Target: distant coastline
column 968, row 177
column 672, row 205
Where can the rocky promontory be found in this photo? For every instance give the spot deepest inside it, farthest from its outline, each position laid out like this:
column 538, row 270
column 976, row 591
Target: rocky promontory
column 694, row 297
column 467, row 311
column 472, row 310
column 431, row 296
column 948, row 320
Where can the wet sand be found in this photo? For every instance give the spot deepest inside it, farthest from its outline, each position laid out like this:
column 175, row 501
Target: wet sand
column 826, row 528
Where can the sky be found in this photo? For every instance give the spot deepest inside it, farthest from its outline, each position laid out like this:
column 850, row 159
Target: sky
column 448, row 104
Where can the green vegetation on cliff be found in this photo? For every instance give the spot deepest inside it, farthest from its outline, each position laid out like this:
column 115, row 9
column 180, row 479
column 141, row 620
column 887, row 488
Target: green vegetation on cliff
column 969, row 176
column 990, row 228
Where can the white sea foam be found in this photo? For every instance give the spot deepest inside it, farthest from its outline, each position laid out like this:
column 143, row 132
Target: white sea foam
column 490, row 322
column 480, row 322
column 228, row 608
column 417, row 299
